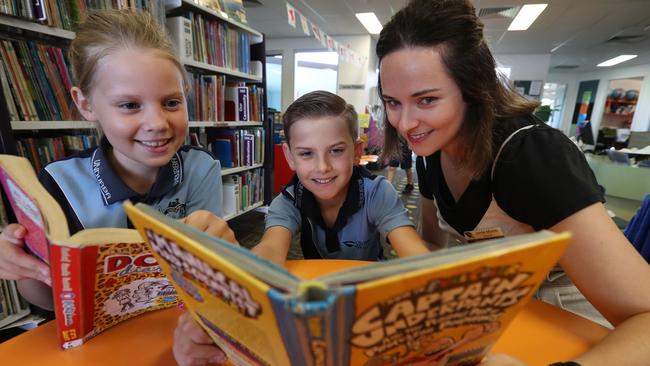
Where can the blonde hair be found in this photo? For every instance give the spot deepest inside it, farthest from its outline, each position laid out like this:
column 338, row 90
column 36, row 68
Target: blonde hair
column 105, row 32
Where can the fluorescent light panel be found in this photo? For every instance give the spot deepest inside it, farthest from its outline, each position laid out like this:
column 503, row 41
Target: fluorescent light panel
column 526, row 16
column 616, row 60
column 370, row 22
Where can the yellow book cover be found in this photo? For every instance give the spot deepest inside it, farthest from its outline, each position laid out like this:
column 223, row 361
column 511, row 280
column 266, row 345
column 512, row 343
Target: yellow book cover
column 100, row 277
column 446, row 306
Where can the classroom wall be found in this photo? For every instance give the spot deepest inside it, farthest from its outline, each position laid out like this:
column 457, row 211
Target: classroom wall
column 525, row 67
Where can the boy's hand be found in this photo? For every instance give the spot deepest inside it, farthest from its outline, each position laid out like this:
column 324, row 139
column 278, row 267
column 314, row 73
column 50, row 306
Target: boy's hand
column 210, row 224
column 15, row 263
column 192, row 346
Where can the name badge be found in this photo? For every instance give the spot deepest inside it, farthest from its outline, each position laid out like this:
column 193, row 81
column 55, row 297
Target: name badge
column 483, row 234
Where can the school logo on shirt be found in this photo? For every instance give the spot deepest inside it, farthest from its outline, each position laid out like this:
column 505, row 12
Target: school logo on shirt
column 175, row 209
column 359, row 244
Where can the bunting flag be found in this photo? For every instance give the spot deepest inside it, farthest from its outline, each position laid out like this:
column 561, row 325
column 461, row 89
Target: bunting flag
column 291, row 15
column 316, row 31
column 305, row 25
column 346, row 54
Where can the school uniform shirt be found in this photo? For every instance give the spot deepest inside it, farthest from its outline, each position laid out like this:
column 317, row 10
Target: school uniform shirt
column 540, row 177
column 91, row 192
column 371, row 208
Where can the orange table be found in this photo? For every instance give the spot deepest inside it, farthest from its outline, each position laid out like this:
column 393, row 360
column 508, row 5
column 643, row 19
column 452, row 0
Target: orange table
column 540, row 334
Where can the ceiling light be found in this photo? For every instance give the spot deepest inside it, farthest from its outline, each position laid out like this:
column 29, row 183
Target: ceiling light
column 526, row 16
column 370, row 22
column 616, row 60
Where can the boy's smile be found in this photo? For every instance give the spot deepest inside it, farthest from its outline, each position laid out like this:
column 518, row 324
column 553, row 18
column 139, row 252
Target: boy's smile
column 323, row 154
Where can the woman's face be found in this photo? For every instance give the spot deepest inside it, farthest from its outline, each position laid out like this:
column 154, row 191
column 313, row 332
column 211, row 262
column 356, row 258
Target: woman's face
column 422, row 101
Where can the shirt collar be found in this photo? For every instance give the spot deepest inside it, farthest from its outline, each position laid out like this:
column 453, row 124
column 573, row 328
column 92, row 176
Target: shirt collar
column 305, row 201
column 113, row 188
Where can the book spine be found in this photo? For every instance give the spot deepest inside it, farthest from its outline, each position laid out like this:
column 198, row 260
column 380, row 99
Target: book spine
column 242, row 103
column 65, row 264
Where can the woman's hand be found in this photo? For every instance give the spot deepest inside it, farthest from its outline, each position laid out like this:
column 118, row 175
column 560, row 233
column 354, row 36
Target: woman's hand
column 210, row 224
column 15, row 263
column 192, row 346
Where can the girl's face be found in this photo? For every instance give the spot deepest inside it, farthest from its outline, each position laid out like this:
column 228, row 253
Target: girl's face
column 323, row 154
column 138, row 99
column 422, row 102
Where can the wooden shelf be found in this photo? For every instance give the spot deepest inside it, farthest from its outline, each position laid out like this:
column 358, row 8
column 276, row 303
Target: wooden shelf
column 52, row 125
column 228, row 171
column 220, row 70
column 191, row 6
column 248, row 209
column 225, row 124
column 619, row 114
column 621, row 101
column 35, row 27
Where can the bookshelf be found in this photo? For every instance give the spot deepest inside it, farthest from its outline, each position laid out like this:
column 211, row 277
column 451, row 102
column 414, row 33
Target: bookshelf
column 243, row 65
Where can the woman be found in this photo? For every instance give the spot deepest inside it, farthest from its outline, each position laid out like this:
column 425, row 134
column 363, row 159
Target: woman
column 485, row 162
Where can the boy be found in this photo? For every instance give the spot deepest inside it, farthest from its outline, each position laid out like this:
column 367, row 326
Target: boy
column 339, row 208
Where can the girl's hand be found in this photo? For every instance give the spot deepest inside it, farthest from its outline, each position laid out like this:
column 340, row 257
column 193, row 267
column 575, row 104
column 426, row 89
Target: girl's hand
column 192, row 346
column 15, row 263
column 501, row 359
column 210, row 224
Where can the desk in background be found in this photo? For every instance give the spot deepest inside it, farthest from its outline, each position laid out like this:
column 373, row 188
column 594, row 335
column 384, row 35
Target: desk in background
column 540, row 334
column 620, row 180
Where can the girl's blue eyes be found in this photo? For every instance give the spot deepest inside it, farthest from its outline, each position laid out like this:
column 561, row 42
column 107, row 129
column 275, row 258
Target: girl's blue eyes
column 129, row 105
column 175, row 103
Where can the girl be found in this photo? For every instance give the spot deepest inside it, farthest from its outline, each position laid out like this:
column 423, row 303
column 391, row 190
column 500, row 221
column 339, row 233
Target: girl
column 132, row 85
column 485, row 162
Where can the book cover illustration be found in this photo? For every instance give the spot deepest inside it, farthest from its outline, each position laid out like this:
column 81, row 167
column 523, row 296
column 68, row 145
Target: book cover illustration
column 449, row 305
column 27, row 213
column 100, row 276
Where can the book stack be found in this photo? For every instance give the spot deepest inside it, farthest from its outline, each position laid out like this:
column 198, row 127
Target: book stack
column 12, row 306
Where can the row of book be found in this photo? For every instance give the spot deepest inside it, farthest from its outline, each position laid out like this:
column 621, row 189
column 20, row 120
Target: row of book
column 238, row 147
column 232, row 8
column 212, row 99
column 212, row 42
column 43, row 150
column 12, row 306
column 242, row 190
column 65, row 14
column 35, row 81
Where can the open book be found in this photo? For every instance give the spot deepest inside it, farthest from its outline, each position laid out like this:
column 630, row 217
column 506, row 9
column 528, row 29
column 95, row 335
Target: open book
column 100, row 277
column 451, row 304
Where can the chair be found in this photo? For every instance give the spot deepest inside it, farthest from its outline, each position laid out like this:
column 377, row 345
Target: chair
column 638, row 231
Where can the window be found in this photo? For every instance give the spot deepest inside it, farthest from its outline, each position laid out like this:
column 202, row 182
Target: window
column 315, row 71
column 274, row 81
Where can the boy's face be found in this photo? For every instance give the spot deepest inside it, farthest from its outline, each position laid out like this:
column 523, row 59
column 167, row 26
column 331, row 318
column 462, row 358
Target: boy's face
column 322, row 154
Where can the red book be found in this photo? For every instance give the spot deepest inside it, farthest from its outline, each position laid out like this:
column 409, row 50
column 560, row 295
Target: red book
column 100, row 277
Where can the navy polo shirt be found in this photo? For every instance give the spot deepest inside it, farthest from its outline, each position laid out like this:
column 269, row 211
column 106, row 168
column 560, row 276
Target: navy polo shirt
column 371, row 208
column 91, row 192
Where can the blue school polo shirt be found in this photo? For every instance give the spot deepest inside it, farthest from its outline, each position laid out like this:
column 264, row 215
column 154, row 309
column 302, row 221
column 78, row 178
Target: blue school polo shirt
column 371, row 208
column 91, row 192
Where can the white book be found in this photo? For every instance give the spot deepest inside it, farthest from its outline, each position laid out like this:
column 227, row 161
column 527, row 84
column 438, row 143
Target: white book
column 180, row 31
column 230, row 193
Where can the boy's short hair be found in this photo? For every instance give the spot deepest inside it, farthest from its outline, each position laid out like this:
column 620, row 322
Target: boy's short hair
column 318, row 104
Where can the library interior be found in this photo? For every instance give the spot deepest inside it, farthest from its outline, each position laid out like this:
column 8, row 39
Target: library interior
column 582, row 66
